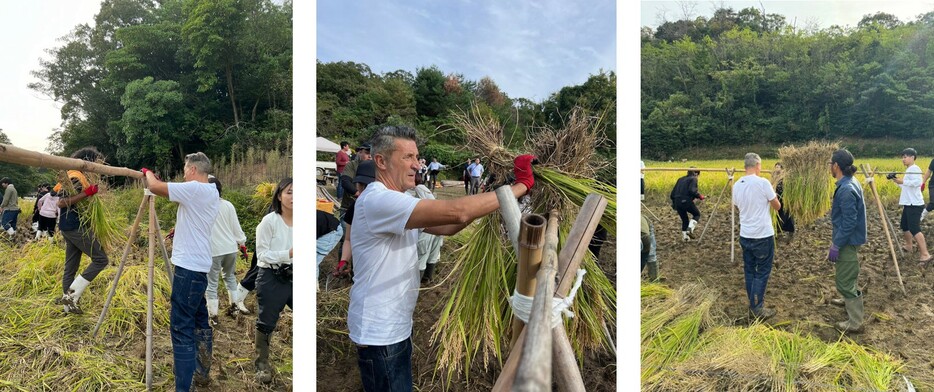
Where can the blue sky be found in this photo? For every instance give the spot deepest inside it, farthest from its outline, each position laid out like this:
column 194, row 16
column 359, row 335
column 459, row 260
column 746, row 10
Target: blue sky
column 530, row 49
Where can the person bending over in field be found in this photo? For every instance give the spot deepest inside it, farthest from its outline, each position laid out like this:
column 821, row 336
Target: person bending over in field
column 682, row 200
column 79, row 237
column 753, row 195
column 198, row 203
column 912, row 202
column 386, row 226
column 848, row 215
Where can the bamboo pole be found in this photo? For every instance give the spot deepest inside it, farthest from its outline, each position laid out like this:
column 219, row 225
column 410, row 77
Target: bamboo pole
column 717, row 206
column 646, row 208
column 870, row 178
column 531, row 242
column 534, row 372
column 165, row 252
column 21, row 156
column 567, row 374
column 134, row 230
column 509, row 210
column 698, row 169
column 149, row 290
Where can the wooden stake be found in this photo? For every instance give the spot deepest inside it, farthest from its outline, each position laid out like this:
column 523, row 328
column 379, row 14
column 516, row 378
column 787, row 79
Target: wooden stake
column 717, row 206
column 888, row 237
column 149, row 290
column 165, row 253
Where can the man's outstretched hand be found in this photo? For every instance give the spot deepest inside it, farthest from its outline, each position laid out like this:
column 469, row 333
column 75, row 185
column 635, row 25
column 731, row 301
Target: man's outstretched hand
column 522, row 169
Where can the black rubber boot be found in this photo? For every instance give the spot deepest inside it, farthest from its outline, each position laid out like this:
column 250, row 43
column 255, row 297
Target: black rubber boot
column 263, row 370
column 429, row 271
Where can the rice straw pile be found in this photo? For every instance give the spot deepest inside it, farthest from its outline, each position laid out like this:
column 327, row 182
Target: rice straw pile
column 808, row 184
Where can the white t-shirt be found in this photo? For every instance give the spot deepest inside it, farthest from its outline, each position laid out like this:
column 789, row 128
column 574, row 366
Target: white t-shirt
column 197, row 209
column 386, row 280
column 227, row 233
column 273, row 241
column 911, row 187
column 751, row 194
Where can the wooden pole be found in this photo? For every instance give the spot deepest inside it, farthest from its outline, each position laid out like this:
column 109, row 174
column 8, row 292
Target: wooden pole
column 717, row 206
column 566, row 372
column 165, row 252
column 20, row 156
column 134, row 230
column 507, row 377
column 534, row 373
column 149, row 289
column 509, row 210
column 531, row 241
column 646, row 208
column 888, row 237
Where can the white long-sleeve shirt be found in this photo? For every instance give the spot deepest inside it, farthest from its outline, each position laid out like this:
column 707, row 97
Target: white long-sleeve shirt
column 226, row 235
column 273, row 241
column 911, row 187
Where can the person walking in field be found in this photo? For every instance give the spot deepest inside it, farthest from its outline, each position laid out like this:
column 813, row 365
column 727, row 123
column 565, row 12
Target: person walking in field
column 9, row 206
column 848, row 216
column 682, row 200
column 385, row 233
column 79, row 237
column 753, row 195
column 227, row 241
column 198, row 203
column 433, row 169
column 47, row 208
column 912, row 202
column 467, row 176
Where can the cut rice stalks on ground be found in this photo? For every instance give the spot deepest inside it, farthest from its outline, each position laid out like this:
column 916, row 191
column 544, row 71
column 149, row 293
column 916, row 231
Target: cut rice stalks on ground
column 683, row 349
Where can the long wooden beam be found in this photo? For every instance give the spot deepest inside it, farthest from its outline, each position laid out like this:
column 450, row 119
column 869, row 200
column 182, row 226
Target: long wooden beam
column 21, row 156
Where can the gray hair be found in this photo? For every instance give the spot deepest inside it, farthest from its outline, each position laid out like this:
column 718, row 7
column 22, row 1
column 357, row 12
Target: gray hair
column 752, row 159
column 199, row 161
column 384, row 140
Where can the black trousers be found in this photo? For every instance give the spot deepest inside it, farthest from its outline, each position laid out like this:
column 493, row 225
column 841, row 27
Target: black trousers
column 684, row 208
column 272, row 295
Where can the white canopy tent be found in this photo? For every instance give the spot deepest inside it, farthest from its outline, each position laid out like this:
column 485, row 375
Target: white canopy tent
column 326, row 145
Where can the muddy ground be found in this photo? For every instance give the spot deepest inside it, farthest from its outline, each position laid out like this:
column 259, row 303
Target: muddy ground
column 337, row 368
column 802, row 281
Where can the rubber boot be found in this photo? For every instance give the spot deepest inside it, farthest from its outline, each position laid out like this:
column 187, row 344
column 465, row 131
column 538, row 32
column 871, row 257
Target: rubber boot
column 653, row 272
column 238, row 296
column 691, row 225
column 429, row 271
column 11, row 232
column 685, row 236
column 205, row 341
column 70, row 300
column 854, row 309
column 263, row 370
column 213, row 304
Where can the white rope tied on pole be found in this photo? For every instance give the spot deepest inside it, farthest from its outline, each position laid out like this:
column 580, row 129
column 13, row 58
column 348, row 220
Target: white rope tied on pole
column 147, row 192
column 522, row 305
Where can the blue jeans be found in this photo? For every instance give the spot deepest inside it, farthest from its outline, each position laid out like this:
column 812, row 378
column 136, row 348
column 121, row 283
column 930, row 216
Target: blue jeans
column 9, row 219
column 757, row 264
column 326, row 243
column 386, row 368
column 192, row 336
column 340, row 189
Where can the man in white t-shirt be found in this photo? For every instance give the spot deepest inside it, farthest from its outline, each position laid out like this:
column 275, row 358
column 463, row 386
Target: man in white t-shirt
column 753, row 195
column 385, row 232
column 198, row 201
column 912, row 202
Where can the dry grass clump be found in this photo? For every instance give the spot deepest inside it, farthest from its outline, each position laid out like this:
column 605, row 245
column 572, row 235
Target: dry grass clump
column 808, row 184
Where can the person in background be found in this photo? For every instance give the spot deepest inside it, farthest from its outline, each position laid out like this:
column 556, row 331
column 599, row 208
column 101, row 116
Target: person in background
column 366, row 174
column 78, row 236
column 433, row 169
column 785, row 221
column 467, row 176
column 429, row 245
column 753, row 195
column 48, row 215
column 351, row 192
column 41, row 191
column 9, row 206
column 848, row 216
column 341, row 161
column 912, row 202
column 476, row 172
column 274, row 279
column 198, row 203
column 648, row 256
column 227, row 240
column 682, row 200
column 328, row 234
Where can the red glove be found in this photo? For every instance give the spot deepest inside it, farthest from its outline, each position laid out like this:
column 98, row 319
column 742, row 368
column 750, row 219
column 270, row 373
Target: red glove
column 341, row 269
column 91, row 190
column 702, row 197
column 144, row 170
column 243, row 252
column 522, row 169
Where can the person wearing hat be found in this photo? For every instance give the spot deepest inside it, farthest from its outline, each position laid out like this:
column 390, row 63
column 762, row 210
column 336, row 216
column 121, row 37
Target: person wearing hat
column 366, row 173
column 9, row 206
column 848, row 216
column 912, row 202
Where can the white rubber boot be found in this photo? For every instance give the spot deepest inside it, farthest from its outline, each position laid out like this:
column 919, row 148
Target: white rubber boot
column 213, row 304
column 691, row 225
column 237, row 296
column 924, row 213
column 11, row 232
column 70, row 300
column 685, row 236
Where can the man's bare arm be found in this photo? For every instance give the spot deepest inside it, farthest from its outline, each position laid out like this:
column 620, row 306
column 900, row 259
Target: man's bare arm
column 447, row 217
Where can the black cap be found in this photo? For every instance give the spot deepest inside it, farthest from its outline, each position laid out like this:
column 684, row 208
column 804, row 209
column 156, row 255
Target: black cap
column 910, row 152
column 842, row 158
column 364, row 146
column 366, row 172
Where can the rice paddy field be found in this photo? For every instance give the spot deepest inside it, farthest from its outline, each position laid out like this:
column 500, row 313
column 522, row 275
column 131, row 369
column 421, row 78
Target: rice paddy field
column 42, row 349
column 696, row 333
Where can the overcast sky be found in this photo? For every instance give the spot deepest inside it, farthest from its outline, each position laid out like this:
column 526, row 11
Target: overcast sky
column 800, row 13
column 530, row 49
column 28, row 28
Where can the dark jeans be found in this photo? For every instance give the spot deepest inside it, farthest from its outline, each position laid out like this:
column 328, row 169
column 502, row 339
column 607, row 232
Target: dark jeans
column 757, row 264
column 8, row 219
column 685, row 208
column 432, row 179
column 249, row 280
column 272, row 295
column 78, row 242
column 386, row 368
column 192, row 335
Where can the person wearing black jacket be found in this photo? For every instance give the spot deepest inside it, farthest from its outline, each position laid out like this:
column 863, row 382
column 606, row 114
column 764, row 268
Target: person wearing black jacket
column 682, row 200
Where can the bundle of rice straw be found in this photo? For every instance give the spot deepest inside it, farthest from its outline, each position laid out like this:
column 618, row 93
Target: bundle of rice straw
column 808, row 184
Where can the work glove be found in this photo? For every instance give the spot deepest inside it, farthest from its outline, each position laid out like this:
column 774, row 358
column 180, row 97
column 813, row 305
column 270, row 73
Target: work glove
column 144, row 170
column 702, row 197
column 243, row 253
column 522, row 169
column 833, row 254
column 341, row 269
column 91, row 190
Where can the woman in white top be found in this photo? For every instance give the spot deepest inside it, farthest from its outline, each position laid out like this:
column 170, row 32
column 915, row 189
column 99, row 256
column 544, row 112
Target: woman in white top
column 274, row 279
column 227, row 238
column 912, row 203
